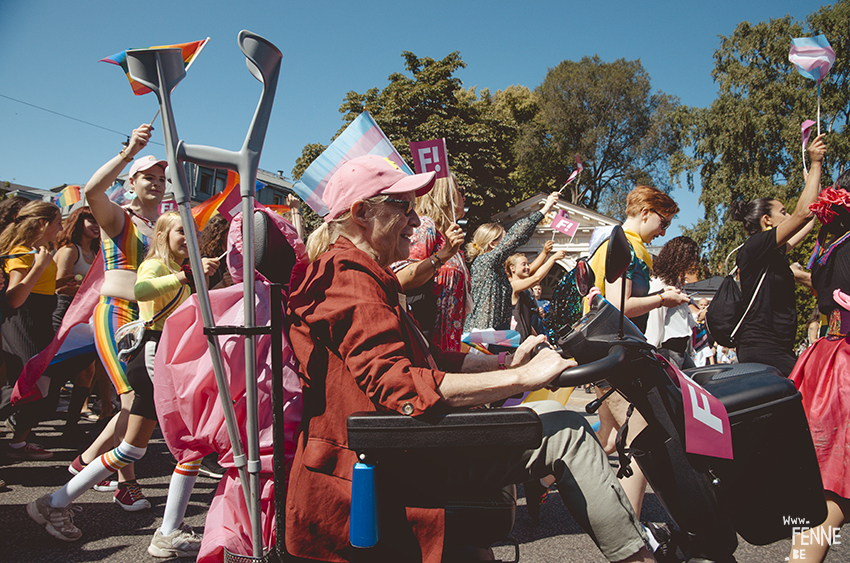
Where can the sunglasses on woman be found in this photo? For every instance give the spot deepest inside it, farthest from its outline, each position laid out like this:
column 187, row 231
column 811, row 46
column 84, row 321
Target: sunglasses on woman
column 407, row 205
column 665, row 222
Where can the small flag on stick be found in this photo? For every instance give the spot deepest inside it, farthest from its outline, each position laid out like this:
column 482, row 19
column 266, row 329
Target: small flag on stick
column 190, row 52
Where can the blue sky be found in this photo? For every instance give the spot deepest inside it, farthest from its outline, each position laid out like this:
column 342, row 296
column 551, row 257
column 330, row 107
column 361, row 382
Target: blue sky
column 49, row 51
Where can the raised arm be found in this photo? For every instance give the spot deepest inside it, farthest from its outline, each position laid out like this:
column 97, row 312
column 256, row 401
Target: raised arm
column 108, row 214
column 786, row 230
column 519, row 285
column 541, row 258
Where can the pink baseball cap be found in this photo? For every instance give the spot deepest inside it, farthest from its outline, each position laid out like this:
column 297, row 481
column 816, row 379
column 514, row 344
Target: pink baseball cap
column 367, row 176
column 145, row 162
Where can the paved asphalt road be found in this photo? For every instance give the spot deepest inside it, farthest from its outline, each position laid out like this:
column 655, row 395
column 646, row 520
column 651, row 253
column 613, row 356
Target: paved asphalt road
column 112, row 535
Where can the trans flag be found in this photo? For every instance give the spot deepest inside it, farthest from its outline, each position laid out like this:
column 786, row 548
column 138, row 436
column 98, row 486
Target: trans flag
column 363, row 136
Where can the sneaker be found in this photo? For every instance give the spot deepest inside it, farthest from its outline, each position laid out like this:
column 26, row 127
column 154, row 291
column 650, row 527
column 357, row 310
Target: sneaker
column 130, row 497
column 77, row 465
column 210, row 468
column 183, row 542
column 108, row 485
column 59, row 522
column 29, row 452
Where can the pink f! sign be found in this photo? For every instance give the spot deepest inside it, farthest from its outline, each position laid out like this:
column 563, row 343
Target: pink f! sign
column 564, row 224
column 430, row 156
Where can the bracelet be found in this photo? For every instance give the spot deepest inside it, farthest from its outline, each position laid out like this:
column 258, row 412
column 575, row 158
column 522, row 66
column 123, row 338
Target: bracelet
column 434, row 263
column 124, row 156
column 502, row 357
column 662, row 300
column 438, row 258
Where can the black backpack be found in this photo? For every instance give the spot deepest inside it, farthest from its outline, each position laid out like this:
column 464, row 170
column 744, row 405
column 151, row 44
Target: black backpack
column 725, row 313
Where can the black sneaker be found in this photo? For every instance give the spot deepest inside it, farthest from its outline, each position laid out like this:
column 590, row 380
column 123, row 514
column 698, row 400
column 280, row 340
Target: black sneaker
column 210, row 467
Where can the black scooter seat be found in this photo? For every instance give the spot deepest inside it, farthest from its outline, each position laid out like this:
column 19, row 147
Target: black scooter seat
column 742, row 387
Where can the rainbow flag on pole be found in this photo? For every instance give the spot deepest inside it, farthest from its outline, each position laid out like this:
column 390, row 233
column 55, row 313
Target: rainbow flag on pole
column 68, row 197
column 228, row 202
column 190, row 52
column 363, row 136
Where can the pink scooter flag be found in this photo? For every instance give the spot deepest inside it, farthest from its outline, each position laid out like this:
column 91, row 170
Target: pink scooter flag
column 707, row 428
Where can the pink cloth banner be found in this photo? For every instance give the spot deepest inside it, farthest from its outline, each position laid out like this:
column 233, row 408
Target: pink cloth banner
column 430, row 156
column 562, row 223
column 707, row 428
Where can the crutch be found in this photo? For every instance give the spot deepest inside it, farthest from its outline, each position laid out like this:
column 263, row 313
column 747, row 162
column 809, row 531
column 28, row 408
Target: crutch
column 161, row 70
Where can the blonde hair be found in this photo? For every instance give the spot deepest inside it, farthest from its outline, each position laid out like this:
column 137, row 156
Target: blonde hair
column 28, row 225
column 511, row 262
column 321, row 239
column 440, row 202
column 160, row 249
column 484, row 235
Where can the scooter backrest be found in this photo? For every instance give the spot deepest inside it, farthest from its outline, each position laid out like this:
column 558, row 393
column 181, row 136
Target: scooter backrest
column 619, row 255
column 273, row 256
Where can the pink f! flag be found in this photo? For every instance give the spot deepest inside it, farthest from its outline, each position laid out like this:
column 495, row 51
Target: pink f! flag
column 562, row 223
column 361, row 137
column 430, row 156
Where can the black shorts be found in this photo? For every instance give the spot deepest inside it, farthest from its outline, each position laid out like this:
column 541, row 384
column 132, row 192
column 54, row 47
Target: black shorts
column 140, row 375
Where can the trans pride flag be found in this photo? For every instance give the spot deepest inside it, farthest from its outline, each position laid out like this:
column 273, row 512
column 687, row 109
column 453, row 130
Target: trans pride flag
column 363, row 136
column 813, row 56
column 190, row 51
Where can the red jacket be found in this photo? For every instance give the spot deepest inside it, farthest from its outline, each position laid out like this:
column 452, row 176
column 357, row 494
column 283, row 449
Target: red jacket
column 357, row 353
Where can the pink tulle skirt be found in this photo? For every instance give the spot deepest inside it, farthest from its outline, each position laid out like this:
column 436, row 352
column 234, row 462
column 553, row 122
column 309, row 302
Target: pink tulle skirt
column 822, row 374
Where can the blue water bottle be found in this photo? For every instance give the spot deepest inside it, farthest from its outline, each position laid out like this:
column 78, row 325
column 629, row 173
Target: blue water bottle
column 364, row 505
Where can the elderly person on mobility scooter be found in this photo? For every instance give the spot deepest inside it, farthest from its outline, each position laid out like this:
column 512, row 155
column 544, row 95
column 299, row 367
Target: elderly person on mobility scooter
column 359, row 350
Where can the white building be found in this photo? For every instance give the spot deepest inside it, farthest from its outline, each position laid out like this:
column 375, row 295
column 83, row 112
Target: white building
column 575, row 246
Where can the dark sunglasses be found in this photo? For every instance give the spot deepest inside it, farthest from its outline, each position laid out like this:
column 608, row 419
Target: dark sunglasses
column 408, row 205
column 665, row 222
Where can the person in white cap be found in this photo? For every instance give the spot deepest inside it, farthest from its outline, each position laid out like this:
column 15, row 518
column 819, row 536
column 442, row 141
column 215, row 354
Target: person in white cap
column 360, row 350
column 126, row 234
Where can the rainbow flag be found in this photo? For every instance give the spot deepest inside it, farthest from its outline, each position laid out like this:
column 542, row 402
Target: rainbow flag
column 68, row 197
column 228, row 202
column 363, row 136
column 207, row 209
column 190, row 52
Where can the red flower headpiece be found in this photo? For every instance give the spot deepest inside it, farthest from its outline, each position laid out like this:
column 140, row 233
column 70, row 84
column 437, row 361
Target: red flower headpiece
column 822, row 207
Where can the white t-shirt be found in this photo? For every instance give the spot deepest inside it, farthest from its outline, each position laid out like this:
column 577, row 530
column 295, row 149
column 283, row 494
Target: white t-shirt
column 665, row 323
column 701, row 357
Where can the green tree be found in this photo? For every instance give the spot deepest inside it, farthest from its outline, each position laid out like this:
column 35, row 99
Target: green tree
column 428, row 102
column 607, row 114
column 747, row 144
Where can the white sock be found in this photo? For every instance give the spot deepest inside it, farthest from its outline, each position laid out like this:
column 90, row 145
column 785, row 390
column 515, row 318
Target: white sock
column 179, row 490
column 96, row 471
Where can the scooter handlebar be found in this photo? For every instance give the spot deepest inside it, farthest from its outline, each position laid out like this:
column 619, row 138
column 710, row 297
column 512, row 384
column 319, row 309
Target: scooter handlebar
column 588, row 373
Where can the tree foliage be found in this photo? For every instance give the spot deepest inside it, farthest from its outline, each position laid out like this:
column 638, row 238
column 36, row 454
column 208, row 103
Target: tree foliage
column 429, row 103
column 607, row 114
column 747, row 144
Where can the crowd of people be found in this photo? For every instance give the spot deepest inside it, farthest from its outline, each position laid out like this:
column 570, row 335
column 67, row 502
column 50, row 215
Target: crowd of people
column 376, row 324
